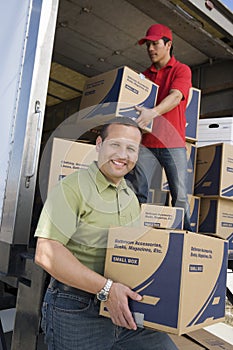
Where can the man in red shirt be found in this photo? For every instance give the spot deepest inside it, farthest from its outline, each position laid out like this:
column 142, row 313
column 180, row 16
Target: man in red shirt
column 166, row 142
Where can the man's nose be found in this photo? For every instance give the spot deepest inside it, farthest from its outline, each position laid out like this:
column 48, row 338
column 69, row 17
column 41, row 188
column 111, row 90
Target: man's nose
column 122, row 152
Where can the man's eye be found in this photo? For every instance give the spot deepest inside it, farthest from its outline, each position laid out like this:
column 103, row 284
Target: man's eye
column 115, row 144
column 131, row 149
column 153, row 43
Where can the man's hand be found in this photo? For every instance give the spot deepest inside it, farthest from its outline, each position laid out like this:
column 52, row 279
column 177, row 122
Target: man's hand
column 146, row 116
column 118, row 307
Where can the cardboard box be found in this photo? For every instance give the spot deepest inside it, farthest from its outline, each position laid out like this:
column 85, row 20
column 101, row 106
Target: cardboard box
column 158, row 197
column 214, row 171
column 184, row 343
column 162, row 216
column 191, row 152
column 208, row 340
column 194, row 203
column 68, row 156
column 181, row 276
column 117, row 92
column 192, row 114
column 215, row 130
column 216, row 217
column 163, row 198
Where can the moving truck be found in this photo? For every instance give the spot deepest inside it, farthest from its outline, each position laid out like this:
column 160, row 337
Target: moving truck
column 48, row 50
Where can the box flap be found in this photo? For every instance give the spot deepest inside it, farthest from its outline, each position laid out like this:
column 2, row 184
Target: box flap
column 208, row 340
column 183, row 343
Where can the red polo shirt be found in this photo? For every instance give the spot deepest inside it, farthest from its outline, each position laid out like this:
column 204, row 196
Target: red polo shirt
column 169, row 129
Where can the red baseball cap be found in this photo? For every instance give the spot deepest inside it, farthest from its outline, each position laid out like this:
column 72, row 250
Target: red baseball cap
column 156, row 32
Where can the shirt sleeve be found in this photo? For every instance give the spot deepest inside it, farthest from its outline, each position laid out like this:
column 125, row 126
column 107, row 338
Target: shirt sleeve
column 182, row 80
column 59, row 217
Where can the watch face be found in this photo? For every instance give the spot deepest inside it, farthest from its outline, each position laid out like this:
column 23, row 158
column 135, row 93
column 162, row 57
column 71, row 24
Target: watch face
column 102, row 296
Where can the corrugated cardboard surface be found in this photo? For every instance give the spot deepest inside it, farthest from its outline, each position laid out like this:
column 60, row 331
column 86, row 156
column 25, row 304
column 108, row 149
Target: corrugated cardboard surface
column 67, row 157
column 173, row 271
column 118, row 92
column 208, row 340
column 200, row 339
column 162, row 216
column 216, row 216
column 184, row 343
column 214, row 171
column 192, row 113
column 194, row 203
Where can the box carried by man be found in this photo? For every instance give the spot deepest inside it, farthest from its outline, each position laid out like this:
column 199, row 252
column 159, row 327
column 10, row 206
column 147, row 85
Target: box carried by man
column 117, row 92
column 180, row 275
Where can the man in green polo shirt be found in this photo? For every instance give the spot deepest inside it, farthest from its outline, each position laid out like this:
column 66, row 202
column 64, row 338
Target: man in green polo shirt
column 72, row 236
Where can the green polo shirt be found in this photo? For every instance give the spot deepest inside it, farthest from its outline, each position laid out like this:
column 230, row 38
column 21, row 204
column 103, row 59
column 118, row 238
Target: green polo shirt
column 81, row 208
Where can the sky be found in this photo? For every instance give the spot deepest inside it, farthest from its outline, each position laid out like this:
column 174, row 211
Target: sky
column 228, row 3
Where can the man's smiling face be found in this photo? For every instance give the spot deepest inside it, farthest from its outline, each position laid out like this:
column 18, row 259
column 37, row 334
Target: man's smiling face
column 118, row 152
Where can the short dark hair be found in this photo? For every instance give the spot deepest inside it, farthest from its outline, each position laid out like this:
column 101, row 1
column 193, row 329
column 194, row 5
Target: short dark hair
column 118, row 120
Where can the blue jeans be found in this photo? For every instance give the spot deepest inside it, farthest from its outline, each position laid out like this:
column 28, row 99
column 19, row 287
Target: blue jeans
column 72, row 322
column 147, row 174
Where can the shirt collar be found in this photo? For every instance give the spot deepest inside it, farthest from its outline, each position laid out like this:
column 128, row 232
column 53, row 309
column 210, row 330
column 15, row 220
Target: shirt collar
column 101, row 182
column 170, row 63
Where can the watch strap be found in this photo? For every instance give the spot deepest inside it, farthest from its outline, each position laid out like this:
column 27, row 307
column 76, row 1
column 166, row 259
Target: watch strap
column 108, row 285
column 103, row 294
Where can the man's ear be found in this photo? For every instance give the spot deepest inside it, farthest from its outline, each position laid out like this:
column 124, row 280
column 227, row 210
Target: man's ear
column 169, row 44
column 98, row 143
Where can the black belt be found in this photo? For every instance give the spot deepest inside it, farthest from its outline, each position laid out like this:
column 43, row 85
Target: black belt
column 65, row 288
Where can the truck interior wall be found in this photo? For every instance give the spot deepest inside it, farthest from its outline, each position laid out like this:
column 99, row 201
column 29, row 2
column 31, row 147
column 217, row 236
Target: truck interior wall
column 215, row 82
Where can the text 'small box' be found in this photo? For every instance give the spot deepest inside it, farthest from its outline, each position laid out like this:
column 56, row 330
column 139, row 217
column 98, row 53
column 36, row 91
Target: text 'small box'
column 181, row 276
column 214, row 171
column 117, row 92
column 216, row 217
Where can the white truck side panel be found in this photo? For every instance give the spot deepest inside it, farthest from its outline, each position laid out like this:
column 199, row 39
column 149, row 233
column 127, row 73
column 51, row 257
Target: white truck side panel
column 14, row 23
column 26, row 45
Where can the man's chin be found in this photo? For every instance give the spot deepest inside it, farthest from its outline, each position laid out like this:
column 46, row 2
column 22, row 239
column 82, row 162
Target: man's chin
column 120, row 174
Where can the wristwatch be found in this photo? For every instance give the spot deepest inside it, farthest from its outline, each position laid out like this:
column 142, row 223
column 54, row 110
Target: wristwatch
column 103, row 294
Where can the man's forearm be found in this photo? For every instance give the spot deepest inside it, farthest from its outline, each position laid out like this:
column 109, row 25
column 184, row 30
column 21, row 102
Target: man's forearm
column 168, row 103
column 59, row 262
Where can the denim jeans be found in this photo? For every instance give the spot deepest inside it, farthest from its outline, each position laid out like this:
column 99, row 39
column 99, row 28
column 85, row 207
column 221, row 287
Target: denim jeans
column 147, row 174
column 72, row 322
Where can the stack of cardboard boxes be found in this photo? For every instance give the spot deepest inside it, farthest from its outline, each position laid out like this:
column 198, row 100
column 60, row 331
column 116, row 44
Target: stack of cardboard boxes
column 214, row 178
column 170, row 268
